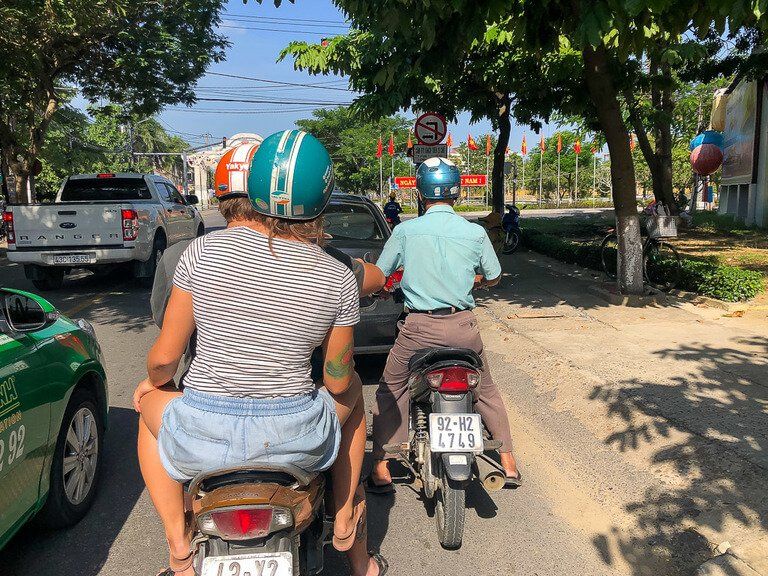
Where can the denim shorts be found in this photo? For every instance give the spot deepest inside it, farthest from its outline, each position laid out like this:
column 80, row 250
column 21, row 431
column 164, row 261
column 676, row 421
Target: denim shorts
column 202, row 432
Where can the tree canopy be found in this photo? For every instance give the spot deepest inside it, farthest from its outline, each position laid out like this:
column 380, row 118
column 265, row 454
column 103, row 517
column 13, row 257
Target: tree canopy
column 142, row 54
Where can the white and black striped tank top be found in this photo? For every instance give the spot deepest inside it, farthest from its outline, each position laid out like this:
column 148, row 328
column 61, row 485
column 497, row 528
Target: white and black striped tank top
column 260, row 315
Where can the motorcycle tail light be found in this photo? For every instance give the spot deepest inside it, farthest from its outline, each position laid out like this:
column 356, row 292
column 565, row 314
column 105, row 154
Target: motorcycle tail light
column 453, row 380
column 9, row 231
column 244, row 523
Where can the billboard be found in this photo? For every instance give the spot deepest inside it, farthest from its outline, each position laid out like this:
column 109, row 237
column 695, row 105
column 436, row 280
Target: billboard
column 739, row 150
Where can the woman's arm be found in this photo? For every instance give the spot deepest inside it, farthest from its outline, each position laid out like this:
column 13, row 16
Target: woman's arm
column 178, row 325
column 338, row 362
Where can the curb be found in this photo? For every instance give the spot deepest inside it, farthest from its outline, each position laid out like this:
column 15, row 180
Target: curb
column 652, row 298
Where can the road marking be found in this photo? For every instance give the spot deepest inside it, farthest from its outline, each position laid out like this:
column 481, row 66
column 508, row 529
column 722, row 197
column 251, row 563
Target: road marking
column 86, row 304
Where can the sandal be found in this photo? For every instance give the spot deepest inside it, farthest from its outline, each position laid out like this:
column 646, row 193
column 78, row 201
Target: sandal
column 381, row 562
column 373, row 488
column 513, row 481
column 181, row 564
column 344, row 543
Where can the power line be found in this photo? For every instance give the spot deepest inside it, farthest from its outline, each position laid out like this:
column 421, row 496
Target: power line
column 247, row 111
column 286, row 18
column 278, row 82
column 285, row 21
column 288, row 102
column 294, row 31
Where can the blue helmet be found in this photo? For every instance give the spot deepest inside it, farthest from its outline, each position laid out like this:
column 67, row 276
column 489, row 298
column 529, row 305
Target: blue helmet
column 438, row 179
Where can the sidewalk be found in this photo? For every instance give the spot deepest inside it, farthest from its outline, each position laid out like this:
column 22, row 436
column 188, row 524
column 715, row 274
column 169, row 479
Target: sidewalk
column 652, row 422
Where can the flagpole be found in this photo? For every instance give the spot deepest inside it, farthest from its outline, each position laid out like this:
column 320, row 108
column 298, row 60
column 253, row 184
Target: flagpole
column 522, row 188
column 594, row 177
column 558, row 178
column 541, row 174
column 487, row 162
column 381, row 179
column 576, row 185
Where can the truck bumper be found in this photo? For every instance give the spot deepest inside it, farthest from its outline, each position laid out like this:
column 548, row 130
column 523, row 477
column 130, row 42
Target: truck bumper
column 95, row 256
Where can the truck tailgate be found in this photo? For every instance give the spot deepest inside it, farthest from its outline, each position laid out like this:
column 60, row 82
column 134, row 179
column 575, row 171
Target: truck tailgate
column 62, row 226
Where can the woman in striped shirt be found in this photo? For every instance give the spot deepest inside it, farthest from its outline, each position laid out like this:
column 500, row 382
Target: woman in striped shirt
column 262, row 295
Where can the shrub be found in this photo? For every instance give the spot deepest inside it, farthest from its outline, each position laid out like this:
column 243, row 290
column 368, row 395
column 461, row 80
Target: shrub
column 700, row 276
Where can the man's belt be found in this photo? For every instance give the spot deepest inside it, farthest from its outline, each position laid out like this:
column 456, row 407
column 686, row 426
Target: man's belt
column 437, row 311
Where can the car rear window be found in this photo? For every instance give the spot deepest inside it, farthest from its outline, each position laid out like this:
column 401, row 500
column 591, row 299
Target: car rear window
column 105, row 189
column 352, row 222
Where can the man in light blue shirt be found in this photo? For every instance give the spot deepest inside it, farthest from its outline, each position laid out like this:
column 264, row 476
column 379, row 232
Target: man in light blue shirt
column 443, row 257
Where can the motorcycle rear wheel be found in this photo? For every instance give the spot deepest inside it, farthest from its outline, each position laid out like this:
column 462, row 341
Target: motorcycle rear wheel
column 511, row 242
column 449, row 511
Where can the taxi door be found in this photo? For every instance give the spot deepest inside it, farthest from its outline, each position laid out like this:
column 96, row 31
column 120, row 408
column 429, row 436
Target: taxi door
column 24, row 425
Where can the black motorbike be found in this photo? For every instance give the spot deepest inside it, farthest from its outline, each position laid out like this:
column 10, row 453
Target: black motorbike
column 510, row 223
column 448, row 447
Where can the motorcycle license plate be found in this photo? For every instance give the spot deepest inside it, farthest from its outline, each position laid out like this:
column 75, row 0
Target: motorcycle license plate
column 73, row 259
column 455, row 433
column 277, row 564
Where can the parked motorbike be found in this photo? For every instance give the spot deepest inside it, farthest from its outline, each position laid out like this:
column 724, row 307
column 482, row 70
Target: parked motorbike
column 259, row 520
column 510, row 223
column 447, row 447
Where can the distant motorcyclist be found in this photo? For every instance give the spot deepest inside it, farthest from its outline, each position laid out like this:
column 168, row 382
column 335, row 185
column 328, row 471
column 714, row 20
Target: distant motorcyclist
column 392, row 210
column 440, row 253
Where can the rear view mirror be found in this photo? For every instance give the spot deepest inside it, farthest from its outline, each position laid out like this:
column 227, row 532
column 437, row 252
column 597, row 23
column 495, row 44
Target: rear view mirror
column 191, row 199
column 24, row 314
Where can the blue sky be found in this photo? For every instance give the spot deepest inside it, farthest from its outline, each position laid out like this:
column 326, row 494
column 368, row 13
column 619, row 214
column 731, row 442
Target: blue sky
column 258, row 33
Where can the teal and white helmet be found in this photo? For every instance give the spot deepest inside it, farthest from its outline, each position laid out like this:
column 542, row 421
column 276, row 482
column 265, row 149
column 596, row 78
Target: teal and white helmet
column 438, row 178
column 291, row 176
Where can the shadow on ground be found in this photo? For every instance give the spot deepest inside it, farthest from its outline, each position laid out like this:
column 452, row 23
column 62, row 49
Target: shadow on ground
column 722, row 454
column 83, row 549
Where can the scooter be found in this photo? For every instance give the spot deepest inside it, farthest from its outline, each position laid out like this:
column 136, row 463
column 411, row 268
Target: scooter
column 510, row 223
column 259, row 520
column 448, row 447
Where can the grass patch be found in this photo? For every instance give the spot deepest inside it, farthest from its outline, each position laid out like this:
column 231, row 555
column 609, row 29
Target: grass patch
column 706, row 277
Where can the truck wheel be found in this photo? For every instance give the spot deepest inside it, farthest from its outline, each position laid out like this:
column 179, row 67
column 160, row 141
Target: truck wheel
column 49, row 279
column 449, row 511
column 76, row 463
column 158, row 247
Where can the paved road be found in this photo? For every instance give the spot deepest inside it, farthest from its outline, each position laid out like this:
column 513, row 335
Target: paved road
column 510, row 532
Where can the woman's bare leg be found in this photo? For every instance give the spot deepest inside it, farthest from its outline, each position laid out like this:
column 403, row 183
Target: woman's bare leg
column 167, row 494
column 345, row 473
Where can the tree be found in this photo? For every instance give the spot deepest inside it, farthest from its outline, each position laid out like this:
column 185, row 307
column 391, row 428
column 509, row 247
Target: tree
column 388, row 60
column 140, row 53
column 351, row 141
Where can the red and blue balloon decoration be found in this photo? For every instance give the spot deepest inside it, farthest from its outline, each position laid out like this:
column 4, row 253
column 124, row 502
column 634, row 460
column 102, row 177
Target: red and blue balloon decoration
column 707, row 152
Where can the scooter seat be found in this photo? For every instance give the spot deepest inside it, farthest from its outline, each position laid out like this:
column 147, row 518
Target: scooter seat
column 428, row 356
column 283, row 475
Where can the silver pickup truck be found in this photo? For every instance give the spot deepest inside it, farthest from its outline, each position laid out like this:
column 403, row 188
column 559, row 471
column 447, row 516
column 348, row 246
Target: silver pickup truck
column 99, row 221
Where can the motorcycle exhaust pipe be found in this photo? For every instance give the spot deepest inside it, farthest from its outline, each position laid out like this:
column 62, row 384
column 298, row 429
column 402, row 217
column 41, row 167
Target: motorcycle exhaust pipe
column 490, row 473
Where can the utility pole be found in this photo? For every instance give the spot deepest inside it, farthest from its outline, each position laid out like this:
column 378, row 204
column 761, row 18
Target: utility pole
column 514, row 181
column 130, row 145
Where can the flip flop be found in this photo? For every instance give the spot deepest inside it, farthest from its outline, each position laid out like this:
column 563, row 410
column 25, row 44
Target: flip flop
column 380, row 489
column 513, row 481
column 344, row 543
column 381, row 562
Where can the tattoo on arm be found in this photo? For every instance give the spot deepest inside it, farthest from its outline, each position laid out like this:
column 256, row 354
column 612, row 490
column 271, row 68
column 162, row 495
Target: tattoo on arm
column 340, row 366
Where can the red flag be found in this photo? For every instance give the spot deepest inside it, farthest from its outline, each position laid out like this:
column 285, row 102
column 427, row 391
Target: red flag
column 449, row 142
column 542, row 146
column 487, row 144
column 410, row 142
column 631, row 141
column 524, row 147
column 391, row 147
column 577, row 146
column 559, row 143
column 379, row 149
column 471, row 144
column 593, row 148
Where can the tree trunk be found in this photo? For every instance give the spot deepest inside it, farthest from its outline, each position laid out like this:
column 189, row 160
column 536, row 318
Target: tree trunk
column 605, row 98
column 664, row 142
column 499, row 154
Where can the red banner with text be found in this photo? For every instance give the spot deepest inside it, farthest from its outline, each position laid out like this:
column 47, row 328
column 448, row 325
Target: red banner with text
column 466, row 180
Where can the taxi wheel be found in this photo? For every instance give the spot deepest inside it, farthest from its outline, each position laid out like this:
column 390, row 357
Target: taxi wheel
column 76, row 463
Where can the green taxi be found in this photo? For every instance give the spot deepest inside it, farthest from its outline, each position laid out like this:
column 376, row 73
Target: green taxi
column 53, row 413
